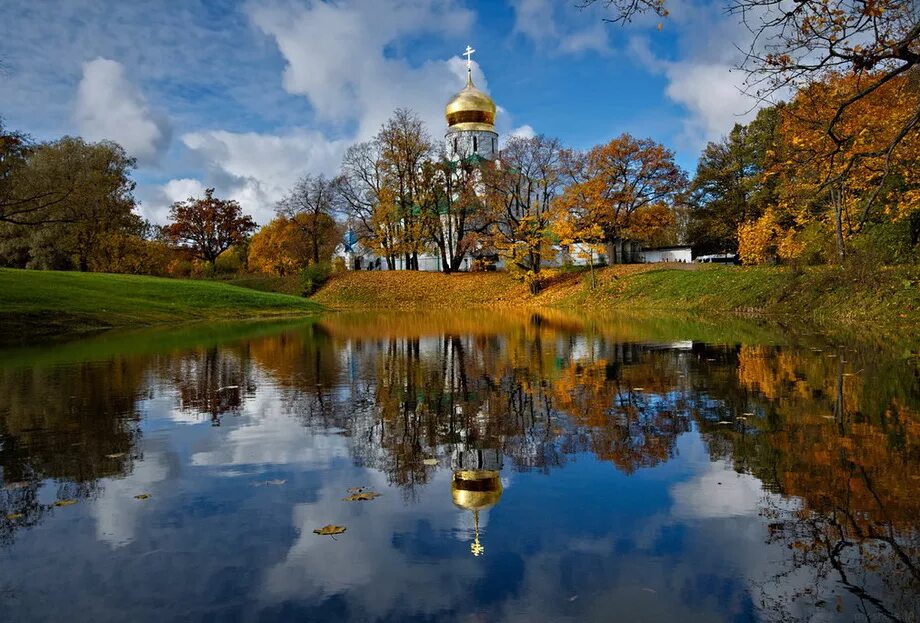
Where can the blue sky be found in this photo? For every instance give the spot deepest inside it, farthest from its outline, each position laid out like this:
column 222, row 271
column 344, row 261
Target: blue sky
column 247, row 96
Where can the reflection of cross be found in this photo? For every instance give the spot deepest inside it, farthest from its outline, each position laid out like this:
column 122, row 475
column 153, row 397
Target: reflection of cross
column 469, row 56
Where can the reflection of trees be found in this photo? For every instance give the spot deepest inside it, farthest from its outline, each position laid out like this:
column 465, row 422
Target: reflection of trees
column 851, row 457
column 72, row 424
column 211, row 381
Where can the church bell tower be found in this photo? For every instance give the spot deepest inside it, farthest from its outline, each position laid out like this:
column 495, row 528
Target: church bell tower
column 470, row 121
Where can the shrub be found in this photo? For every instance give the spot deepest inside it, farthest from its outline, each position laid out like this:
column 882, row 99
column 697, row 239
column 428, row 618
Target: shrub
column 314, row 276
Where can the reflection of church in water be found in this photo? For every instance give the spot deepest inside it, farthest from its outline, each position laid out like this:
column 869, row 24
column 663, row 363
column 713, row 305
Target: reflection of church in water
column 476, row 485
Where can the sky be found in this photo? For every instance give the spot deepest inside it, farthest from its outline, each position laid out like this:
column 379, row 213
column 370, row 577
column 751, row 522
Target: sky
column 247, row 96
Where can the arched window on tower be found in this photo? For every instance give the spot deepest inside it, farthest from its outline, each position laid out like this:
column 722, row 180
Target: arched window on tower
column 493, row 144
column 475, row 144
column 455, row 145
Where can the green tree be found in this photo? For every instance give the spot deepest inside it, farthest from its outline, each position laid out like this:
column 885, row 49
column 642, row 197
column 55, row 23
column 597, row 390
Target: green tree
column 731, row 186
column 79, row 193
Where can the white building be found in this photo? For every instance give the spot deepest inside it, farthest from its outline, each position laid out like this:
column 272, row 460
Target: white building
column 666, row 254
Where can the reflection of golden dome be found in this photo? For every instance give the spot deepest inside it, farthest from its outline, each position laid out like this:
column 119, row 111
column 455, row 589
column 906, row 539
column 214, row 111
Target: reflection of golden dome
column 476, row 489
column 470, row 109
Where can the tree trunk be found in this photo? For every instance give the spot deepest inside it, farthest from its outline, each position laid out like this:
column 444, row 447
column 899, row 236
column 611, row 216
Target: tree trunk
column 837, row 198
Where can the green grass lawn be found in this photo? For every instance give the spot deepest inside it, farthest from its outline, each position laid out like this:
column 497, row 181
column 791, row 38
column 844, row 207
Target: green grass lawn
column 37, row 303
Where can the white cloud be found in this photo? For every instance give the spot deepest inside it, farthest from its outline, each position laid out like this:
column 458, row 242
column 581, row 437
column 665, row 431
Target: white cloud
column 338, row 57
column 109, row 106
column 183, row 188
column 258, row 169
column 559, row 27
column 702, row 77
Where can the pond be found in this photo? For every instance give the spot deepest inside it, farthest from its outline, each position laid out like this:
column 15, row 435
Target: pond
column 530, row 466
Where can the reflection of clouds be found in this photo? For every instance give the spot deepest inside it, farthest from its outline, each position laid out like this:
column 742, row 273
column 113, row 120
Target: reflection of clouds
column 116, row 511
column 265, row 432
column 376, row 561
column 717, row 492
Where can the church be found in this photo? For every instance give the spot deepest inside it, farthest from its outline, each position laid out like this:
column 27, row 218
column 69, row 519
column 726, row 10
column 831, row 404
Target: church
column 470, row 116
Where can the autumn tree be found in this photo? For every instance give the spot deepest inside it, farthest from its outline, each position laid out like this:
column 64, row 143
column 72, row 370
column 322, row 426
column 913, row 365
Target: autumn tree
column 873, row 188
column 611, row 182
column 453, row 213
column 368, row 201
column 405, row 146
column 208, row 226
column 520, row 192
column 792, row 46
column 80, row 194
column 311, row 207
column 275, row 249
column 732, row 185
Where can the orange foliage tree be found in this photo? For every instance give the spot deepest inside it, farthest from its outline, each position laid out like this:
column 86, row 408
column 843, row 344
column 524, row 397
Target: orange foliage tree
column 277, row 248
column 622, row 179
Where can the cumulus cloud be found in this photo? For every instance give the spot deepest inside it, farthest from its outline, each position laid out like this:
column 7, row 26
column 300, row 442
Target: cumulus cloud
column 703, row 76
column 258, row 169
column 109, row 106
column 338, row 56
column 558, row 27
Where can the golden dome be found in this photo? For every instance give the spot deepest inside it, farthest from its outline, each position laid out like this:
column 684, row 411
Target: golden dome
column 471, row 109
column 476, row 489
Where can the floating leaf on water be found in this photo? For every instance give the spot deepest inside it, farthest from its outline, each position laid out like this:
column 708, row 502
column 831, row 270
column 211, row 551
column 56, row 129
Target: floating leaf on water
column 141, row 496
column 15, row 516
column 329, row 530
column 117, row 455
column 269, row 483
column 364, row 496
column 430, row 461
column 638, row 389
column 65, row 502
column 724, row 422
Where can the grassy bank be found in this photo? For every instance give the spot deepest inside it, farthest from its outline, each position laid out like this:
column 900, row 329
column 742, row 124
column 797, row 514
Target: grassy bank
column 37, row 304
column 887, row 297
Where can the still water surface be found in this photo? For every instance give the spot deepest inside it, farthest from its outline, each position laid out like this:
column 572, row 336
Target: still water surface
column 531, row 468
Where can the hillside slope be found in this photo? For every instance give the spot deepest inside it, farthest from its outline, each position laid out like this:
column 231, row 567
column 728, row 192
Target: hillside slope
column 36, row 303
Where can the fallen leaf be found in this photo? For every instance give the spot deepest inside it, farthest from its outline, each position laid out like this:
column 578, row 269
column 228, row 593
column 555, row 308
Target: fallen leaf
column 329, row 530
column 364, row 496
column 430, row 461
column 65, row 502
column 723, row 422
column 15, row 516
column 638, row 389
column 141, row 496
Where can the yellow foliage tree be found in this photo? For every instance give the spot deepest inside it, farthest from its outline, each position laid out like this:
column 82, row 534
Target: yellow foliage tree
column 274, row 248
